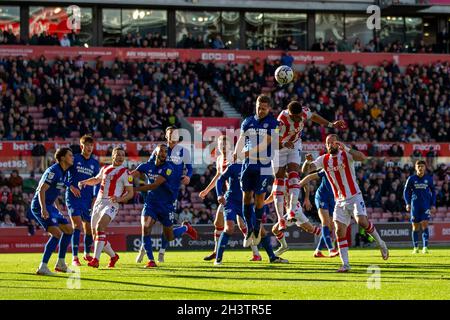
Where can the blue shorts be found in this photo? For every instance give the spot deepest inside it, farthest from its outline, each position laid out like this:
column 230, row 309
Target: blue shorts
column 77, row 211
column 55, row 217
column 419, row 215
column 163, row 213
column 252, row 179
column 232, row 209
column 325, row 203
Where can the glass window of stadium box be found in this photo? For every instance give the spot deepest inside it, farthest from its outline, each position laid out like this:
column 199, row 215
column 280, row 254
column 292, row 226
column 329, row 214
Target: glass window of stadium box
column 356, row 28
column 230, row 26
column 413, row 31
column 112, row 26
column 9, row 21
column 151, row 25
column 197, row 29
column 392, row 30
column 285, row 31
column 254, row 30
column 330, row 26
column 48, row 21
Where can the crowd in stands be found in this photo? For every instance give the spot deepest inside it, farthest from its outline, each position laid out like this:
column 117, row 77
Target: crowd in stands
column 76, row 97
column 136, row 40
column 378, row 104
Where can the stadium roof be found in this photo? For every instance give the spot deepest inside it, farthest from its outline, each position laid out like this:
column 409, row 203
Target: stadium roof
column 328, row 5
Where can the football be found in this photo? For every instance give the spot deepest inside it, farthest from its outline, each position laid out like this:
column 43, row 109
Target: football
column 284, row 74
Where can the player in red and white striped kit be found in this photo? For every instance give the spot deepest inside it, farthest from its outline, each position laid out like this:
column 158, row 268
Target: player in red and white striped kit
column 116, row 187
column 300, row 220
column 339, row 167
column 288, row 157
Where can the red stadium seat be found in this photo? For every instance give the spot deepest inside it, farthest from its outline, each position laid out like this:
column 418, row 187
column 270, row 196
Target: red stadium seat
column 442, row 209
column 386, row 215
column 383, row 220
column 376, row 215
column 369, row 210
column 380, row 210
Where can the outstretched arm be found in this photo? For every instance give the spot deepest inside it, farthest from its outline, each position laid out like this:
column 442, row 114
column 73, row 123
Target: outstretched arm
column 147, row 187
column 308, row 178
column 340, row 124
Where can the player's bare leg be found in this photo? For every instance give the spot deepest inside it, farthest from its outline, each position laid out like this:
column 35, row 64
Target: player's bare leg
column 293, row 170
column 370, row 229
column 279, row 189
column 76, row 225
column 146, row 227
column 425, row 235
column 87, row 240
column 218, row 229
column 53, row 241
column 100, row 239
column 341, row 233
column 243, row 228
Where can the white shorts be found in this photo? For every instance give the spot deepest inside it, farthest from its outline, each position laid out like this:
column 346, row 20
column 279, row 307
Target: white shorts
column 284, row 156
column 299, row 217
column 344, row 209
column 102, row 207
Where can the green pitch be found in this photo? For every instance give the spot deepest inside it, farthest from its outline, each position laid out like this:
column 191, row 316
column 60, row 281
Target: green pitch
column 185, row 275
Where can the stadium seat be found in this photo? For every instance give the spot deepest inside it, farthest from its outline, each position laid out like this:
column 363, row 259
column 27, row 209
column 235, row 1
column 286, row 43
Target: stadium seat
column 369, row 210
column 383, row 220
column 380, row 210
column 448, row 214
column 386, row 215
column 440, row 214
column 442, row 209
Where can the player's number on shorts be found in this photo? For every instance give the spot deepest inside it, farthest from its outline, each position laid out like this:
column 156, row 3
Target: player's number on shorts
column 264, row 183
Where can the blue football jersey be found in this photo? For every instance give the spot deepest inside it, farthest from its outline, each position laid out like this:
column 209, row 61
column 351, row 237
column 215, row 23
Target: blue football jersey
column 164, row 193
column 179, row 158
column 232, row 174
column 82, row 169
column 324, row 190
column 56, row 178
column 255, row 131
column 420, row 192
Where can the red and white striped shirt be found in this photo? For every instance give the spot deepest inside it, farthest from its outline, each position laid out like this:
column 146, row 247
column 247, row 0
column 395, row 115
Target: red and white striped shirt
column 114, row 181
column 340, row 171
column 289, row 129
column 221, row 163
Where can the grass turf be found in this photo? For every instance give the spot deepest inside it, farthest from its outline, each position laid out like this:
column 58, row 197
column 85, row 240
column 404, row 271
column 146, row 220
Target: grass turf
column 185, row 275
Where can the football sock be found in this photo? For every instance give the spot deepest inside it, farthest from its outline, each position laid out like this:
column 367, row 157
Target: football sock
column 343, row 250
column 147, row 241
column 265, row 243
column 223, row 241
column 63, row 244
column 109, row 250
column 425, row 236
column 415, row 239
column 99, row 244
column 87, row 243
column 75, row 241
column 217, row 233
column 50, row 247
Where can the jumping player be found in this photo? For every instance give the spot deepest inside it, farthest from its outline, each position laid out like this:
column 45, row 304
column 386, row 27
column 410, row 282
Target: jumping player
column 420, row 198
column 232, row 202
column 116, row 187
column 299, row 219
column 79, row 203
column 288, row 157
column 256, row 173
column 159, row 201
column 222, row 162
column 339, row 167
column 47, row 211
column 180, row 159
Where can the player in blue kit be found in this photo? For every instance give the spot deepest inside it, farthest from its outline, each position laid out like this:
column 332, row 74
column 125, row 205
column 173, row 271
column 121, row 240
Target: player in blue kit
column 232, row 202
column 180, row 159
column 255, row 140
column 47, row 211
column 159, row 201
column 79, row 202
column 420, row 198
